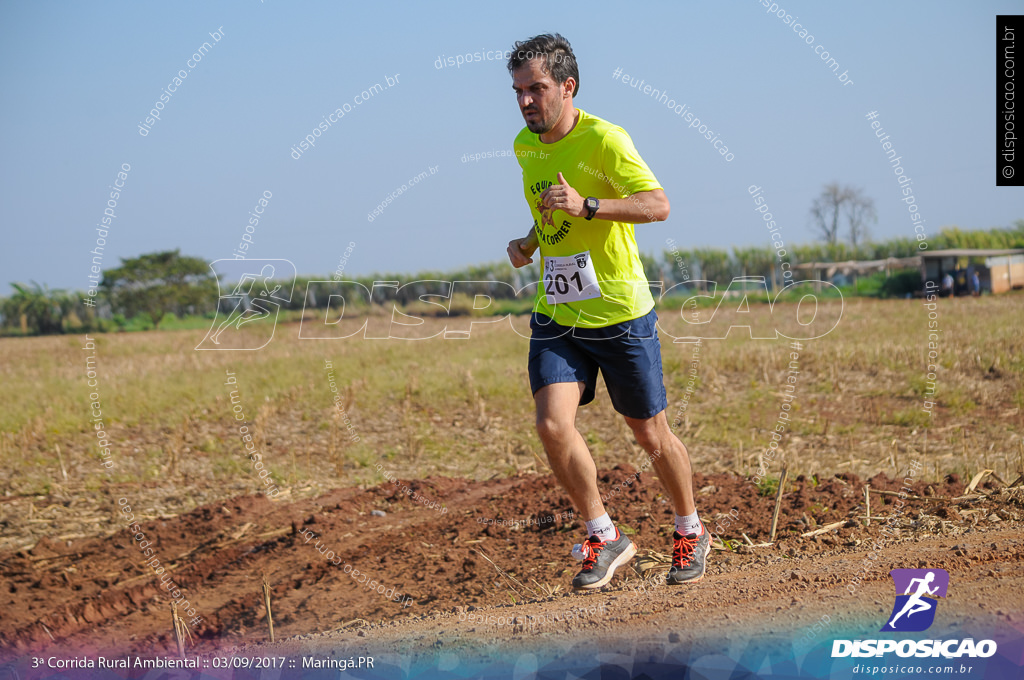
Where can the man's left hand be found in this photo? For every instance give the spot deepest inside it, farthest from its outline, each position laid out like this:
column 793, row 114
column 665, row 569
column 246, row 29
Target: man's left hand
column 563, row 197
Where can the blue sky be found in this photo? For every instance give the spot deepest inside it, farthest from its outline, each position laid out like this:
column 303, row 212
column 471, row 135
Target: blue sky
column 79, row 78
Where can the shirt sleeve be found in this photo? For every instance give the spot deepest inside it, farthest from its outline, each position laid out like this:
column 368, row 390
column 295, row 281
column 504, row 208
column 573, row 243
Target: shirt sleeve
column 623, row 164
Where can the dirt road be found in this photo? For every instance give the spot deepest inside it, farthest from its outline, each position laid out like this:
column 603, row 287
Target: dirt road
column 471, row 571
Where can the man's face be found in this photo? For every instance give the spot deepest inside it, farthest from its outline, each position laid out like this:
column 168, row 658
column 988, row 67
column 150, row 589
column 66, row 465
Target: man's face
column 541, row 99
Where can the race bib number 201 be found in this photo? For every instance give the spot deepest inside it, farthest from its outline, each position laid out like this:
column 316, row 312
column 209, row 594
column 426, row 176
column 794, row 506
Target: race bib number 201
column 570, row 279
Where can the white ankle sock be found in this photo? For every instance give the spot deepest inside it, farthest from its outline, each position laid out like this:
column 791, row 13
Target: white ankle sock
column 602, row 527
column 689, row 524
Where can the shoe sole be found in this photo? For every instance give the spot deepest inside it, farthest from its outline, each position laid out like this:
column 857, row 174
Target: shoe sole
column 702, row 572
column 626, row 556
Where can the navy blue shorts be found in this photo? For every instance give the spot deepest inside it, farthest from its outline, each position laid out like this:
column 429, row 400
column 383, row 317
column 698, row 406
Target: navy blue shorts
column 628, row 355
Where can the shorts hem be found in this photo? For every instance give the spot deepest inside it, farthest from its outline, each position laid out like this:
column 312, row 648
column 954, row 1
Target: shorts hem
column 544, row 382
column 649, row 414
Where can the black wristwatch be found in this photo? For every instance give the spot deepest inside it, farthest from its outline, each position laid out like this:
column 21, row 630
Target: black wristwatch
column 591, row 204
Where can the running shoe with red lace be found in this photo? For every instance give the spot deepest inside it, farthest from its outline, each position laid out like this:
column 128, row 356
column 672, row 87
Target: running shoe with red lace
column 689, row 557
column 601, row 559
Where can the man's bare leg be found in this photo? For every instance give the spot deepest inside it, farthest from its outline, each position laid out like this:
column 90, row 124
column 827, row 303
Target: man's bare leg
column 605, row 549
column 568, row 455
column 691, row 543
column 670, row 459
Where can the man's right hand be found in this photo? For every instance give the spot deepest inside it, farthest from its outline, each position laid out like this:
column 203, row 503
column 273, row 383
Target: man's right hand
column 520, row 251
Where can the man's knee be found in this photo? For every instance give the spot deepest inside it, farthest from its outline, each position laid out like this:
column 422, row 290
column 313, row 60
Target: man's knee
column 648, row 440
column 647, row 434
column 553, row 430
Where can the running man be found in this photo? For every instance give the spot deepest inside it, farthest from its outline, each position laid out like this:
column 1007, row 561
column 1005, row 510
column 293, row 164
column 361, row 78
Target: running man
column 587, row 186
column 916, row 603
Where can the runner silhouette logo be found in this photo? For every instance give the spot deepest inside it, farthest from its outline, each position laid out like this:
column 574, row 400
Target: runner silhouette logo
column 916, row 590
column 251, row 293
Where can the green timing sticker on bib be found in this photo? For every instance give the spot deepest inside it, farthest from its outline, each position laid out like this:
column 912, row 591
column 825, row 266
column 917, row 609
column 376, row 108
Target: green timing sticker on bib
column 570, row 279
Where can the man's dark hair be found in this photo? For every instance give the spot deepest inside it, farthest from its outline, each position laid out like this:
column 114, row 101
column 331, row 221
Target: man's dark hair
column 559, row 61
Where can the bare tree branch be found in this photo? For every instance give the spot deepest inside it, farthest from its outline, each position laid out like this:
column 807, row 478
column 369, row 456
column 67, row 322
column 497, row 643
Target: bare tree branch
column 825, row 212
column 836, row 201
column 860, row 211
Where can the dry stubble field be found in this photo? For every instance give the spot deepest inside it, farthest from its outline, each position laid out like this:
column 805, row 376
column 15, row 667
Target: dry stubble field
column 456, row 417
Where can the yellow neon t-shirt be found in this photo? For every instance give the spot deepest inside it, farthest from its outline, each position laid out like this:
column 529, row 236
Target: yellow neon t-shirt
column 598, row 159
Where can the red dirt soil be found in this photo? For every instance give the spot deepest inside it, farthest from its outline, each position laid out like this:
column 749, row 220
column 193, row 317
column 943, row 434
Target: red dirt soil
column 96, row 594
